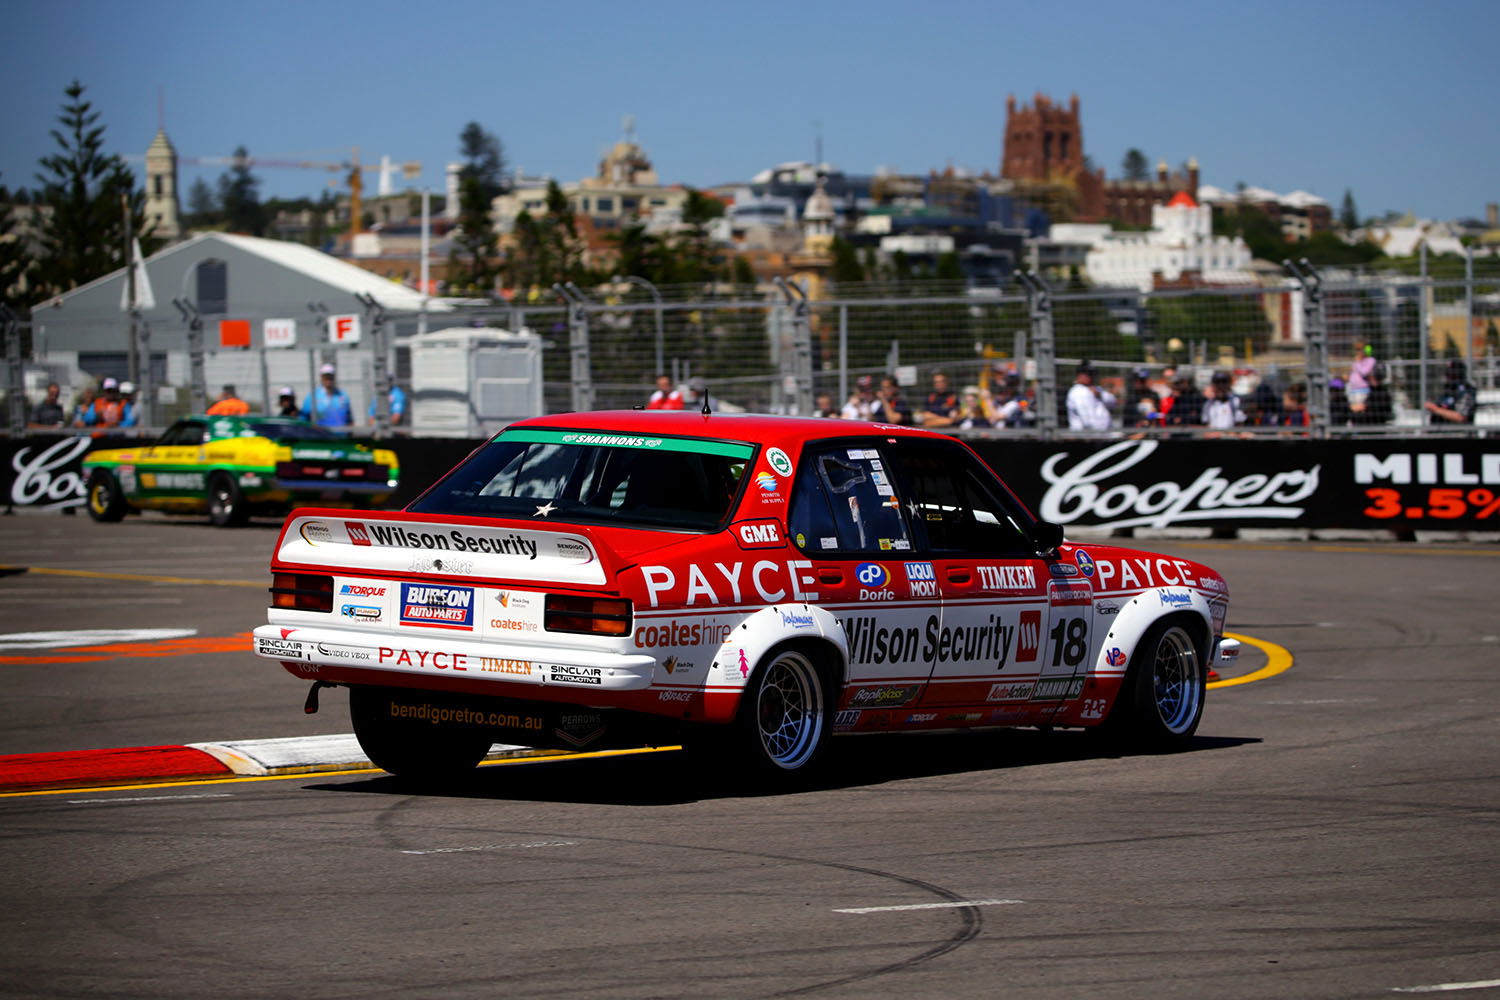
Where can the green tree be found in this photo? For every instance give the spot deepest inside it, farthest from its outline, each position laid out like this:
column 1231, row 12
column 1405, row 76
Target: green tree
column 239, row 197
column 475, row 242
column 846, row 266
column 83, row 238
column 696, row 258
column 202, row 206
column 1260, row 233
column 17, row 269
column 1134, row 167
column 484, row 158
column 1349, row 215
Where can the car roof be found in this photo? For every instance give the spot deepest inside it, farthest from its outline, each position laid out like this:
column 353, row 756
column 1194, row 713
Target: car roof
column 725, row 426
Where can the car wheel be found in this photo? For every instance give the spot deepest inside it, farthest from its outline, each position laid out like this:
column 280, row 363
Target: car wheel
column 105, row 502
column 784, row 720
column 226, row 501
column 1161, row 698
column 411, row 750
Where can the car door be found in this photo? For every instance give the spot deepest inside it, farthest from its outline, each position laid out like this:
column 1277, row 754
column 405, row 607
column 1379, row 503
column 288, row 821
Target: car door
column 988, row 649
column 170, row 472
column 848, row 520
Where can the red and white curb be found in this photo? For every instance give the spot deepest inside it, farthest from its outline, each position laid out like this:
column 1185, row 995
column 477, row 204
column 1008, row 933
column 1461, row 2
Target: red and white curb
column 198, row 762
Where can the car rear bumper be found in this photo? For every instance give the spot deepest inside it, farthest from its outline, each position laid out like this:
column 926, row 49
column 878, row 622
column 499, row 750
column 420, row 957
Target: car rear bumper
column 560, row 670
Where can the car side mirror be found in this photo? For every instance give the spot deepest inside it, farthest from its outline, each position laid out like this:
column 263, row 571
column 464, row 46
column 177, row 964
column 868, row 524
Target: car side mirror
column 1047, row 536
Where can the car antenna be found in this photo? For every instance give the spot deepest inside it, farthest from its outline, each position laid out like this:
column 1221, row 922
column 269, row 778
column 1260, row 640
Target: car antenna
column 706, row 410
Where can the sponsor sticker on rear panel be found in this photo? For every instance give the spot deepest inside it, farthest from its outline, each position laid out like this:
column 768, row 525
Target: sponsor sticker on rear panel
column 437, row 606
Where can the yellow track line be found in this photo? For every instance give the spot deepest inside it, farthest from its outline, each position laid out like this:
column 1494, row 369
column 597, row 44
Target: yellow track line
column 1279, row 660
column 92, row 575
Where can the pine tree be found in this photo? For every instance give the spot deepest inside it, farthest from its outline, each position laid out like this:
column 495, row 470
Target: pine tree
column 1134, row 165
column 238, row 198
column 1349, row 215
column 83, row 237
column 17, row 269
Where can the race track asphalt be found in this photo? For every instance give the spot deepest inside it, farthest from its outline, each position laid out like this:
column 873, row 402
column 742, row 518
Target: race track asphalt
column 1331, row 832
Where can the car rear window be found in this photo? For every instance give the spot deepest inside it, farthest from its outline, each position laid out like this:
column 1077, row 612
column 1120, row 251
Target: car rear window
column 596, row 477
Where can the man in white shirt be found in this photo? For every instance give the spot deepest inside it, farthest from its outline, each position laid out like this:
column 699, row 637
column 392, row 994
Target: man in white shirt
column 1088, row 404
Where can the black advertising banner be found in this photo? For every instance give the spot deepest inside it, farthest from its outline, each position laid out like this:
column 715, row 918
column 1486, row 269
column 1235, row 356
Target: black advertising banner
column 1399, row 485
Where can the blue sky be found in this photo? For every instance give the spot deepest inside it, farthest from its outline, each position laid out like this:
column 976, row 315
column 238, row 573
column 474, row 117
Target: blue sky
column 1396, row 102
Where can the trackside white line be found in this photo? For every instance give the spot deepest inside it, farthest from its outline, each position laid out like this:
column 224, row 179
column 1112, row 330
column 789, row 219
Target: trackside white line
column 497, row 847
column 1478, row 984
column 930, row 906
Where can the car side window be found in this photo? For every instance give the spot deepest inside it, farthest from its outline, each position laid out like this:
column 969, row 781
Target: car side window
column 960, row 506
column 844, row 501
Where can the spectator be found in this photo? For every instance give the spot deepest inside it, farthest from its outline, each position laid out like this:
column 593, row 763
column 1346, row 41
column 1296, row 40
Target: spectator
column 823, row 406
column 1265, row 409
column 131, row 414
column 1187, row 403
column 973, row 409
column 861, row 404
column 49, row 412
column 1009, row 407
column 228, row 404
column 108, row 409
column 1294, row 406
column 1221, row 407
column 1357, row 388
column 666, row 397
column 1088, row 405
column 84, row 408
column 1457, row 403
column 397, row 397
column 288, row 403
column 940, row 409
column 1142, row 405
column 327, row 405
column 1378, row 407
column 889, row 406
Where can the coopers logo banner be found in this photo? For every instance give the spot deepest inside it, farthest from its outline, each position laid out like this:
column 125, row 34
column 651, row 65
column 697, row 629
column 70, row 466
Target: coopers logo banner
column 1148, row 483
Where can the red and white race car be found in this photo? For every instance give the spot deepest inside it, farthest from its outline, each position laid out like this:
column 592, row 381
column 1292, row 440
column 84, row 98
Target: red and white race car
column 612, row 579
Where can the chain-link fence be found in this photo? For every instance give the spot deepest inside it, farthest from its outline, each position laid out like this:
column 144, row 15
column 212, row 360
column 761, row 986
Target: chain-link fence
column 1287, row 346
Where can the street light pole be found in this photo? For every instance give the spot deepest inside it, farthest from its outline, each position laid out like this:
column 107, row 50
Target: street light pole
column 656, row 295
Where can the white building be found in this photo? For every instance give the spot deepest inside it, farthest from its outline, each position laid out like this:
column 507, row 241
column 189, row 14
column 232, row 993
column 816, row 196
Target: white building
column 1180, row 243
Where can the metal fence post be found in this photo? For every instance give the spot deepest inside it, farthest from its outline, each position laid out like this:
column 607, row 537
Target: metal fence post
column 578, row 346
column 197, row 398
column 796, row 364
column 380, row 335
column 15, row 370
column 1315, row 334
column 1044, row 344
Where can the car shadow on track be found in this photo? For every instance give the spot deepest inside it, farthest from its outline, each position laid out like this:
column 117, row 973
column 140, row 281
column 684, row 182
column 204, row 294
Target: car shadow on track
column 677, row 777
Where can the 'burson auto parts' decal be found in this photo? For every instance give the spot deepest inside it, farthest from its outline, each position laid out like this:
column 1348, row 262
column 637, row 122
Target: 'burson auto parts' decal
column 1084, row 492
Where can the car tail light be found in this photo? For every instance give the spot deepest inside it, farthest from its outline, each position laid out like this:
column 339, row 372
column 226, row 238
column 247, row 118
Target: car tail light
column 589, row 615
column 302, row 591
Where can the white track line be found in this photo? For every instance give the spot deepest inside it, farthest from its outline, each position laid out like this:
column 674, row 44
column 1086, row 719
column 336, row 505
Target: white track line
column 930, row 906
column 1478, row 984
column 497, row 847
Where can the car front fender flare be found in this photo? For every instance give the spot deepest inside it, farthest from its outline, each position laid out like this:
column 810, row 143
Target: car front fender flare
column 1138, row 615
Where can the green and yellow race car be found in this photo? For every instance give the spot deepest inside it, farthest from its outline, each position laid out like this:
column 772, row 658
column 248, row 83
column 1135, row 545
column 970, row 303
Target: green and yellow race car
column 232, row 467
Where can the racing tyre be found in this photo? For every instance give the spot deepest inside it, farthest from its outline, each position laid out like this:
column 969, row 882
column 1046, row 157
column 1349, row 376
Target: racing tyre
column 226, row 501
column 1161, row 698
column 784, row 717
column 411, row 750
column 105, row 502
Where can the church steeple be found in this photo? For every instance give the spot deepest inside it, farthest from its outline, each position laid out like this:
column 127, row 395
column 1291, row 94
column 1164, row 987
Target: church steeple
column 163, row 207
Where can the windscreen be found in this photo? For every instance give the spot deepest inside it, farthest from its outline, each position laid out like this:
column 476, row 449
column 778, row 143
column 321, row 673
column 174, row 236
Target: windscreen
column 596, row 477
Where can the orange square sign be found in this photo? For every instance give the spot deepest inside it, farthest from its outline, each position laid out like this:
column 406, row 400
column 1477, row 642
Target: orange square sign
column 234, row 333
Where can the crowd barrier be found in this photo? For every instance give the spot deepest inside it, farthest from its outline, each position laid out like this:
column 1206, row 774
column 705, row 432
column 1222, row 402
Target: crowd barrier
column 1400, row 485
